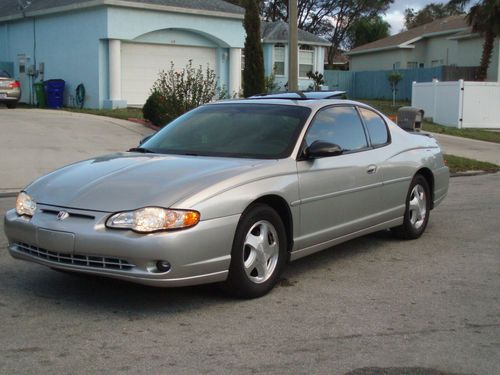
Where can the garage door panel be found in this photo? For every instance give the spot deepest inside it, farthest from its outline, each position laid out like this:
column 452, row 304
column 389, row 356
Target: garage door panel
column 141, row 64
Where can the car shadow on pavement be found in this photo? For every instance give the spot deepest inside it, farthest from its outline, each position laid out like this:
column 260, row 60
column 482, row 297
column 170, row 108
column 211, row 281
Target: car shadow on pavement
column 73, row 291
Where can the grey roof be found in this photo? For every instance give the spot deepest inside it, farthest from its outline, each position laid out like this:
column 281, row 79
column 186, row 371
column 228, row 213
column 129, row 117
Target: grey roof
column 11, row 8
column 278, row 32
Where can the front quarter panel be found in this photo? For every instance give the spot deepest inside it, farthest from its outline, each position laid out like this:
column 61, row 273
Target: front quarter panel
column 234, row 196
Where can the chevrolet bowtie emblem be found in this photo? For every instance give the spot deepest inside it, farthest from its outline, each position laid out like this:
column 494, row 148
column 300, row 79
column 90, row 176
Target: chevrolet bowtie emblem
column 62, row 215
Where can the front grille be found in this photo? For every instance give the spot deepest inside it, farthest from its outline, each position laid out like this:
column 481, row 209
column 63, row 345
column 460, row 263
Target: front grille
column 78, row 260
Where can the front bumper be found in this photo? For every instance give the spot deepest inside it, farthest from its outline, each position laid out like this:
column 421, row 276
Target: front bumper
column 82, row 243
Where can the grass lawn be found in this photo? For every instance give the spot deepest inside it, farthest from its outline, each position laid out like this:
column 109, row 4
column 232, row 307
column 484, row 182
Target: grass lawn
column 386, row 107
column 121, row 113
column 460, row 164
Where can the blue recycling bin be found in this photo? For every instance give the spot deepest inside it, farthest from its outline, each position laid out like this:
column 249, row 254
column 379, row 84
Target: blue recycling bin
column 54, row 93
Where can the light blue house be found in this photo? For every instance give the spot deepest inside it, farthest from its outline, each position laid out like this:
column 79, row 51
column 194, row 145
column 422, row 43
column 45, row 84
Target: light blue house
column 117, row 47
column 275, row 44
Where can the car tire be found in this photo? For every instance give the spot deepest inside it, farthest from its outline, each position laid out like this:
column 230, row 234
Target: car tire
column 11, row 105
column 418, row 205
column 259, row 253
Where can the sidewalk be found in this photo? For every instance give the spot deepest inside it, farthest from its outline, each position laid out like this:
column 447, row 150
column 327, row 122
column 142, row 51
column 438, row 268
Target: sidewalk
column 469, row 148
column 34, row 142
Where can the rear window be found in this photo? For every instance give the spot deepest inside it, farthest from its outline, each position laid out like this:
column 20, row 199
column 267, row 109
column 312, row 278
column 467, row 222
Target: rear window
column 377, row 128
column 4, row 74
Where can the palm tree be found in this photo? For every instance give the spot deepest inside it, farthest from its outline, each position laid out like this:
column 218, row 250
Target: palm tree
column 484, row 18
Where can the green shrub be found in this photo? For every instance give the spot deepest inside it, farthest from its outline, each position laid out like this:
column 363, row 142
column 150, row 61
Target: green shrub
column 318, row 80
column 176, row 92
column 270, row 84
column 155, row 109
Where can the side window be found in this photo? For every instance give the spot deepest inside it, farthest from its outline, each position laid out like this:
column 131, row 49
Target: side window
column 339, row 125
column 376, row 127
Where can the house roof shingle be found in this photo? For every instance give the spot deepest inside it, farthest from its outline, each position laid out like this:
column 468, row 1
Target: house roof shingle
column 444, row 25
column 10, row 8
column 278, row 32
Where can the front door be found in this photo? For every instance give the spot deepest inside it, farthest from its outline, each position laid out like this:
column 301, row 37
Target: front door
column 338, row 194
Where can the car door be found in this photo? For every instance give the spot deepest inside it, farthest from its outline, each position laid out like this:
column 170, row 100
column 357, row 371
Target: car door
column 339, row 194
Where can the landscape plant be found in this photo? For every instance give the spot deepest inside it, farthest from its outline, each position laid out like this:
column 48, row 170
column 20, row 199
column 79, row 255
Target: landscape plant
column 176, row 92
column 318, row 80
column 394, row 79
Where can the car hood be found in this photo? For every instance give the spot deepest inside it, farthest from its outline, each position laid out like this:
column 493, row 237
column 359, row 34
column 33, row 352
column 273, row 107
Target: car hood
column 128, row 181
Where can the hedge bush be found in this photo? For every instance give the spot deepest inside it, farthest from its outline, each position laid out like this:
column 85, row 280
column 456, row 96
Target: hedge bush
column 176, row 92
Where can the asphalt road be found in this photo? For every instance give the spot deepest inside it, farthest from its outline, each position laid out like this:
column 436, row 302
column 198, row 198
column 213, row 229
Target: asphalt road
column 430, row 305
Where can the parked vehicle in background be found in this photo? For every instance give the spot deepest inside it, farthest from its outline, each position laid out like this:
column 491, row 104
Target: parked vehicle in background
column 10, row 90
column 229, row 192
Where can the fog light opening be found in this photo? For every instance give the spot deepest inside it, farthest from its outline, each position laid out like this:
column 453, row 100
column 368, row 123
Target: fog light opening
column 163, row 266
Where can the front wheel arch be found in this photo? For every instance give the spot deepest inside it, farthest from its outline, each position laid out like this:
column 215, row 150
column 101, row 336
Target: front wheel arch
column 281, row 206
column 429, row 177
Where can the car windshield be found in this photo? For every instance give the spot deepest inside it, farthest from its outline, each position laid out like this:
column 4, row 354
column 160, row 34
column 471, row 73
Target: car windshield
column 261, row 131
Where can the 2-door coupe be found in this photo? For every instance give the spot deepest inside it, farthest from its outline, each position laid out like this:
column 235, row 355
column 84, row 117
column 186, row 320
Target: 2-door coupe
column 230, row 192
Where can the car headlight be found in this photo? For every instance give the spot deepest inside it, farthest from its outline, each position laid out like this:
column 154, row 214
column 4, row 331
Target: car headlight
column 25, row 205
column 153, row 219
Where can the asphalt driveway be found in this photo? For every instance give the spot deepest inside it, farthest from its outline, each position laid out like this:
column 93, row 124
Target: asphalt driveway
column 34, row 142
column 372, row 302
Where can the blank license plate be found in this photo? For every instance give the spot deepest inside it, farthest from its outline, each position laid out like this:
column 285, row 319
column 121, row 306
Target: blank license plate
column 59, row 242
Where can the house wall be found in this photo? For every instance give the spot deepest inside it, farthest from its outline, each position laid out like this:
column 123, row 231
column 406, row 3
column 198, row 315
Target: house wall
column 281, row 81
column 67, row 44
column 129, row 24
column 442, row 50
column 435, row 51
column 381, row 60
column 74, row 45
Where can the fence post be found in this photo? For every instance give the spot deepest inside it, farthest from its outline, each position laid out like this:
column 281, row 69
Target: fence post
column 461, row 103
column 434, row 92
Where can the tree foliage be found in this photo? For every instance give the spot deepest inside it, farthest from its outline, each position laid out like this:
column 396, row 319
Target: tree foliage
column 484, row 18
column 431, row 12
column 366, row 30
column 327, row 18
column 253, row 72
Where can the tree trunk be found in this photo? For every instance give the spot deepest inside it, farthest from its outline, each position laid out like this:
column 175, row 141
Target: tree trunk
column 489, row 39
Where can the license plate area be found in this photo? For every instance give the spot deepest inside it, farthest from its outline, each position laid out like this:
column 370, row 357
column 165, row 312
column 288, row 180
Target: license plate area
column 59, row 242
column 3, row 96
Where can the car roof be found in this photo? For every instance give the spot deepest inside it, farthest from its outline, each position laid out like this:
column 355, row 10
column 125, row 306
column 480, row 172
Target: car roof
column 313, row 104
column 303, row 95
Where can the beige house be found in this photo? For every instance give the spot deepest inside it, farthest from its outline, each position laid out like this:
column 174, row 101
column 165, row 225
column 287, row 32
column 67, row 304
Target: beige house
column 447, row 41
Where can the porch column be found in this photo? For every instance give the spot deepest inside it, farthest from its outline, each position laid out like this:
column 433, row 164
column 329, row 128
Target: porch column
column 234, row 71
column 115, row 76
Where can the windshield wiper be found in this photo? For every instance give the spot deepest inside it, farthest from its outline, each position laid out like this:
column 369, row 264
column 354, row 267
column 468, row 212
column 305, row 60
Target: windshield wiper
column 142, row 150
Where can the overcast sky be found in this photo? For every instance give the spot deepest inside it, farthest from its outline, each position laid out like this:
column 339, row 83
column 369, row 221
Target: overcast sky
column 395, row 15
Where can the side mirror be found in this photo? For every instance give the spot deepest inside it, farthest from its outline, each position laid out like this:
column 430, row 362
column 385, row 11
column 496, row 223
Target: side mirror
column 145, row 139
column 321, row 149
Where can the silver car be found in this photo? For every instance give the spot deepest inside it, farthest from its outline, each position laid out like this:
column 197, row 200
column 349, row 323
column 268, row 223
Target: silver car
column 10, row 90
column 230, row 192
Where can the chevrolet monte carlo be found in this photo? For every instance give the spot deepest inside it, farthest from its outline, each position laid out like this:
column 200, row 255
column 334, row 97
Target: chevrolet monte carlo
column 230, row 192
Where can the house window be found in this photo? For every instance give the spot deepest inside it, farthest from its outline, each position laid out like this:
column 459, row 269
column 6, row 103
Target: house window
column 396, row 65
column 279, row 60
column 437, row 63
column 306, row 60
column 412, row 65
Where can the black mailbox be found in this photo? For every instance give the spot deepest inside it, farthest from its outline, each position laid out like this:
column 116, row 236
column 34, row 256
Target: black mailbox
column 410, row 118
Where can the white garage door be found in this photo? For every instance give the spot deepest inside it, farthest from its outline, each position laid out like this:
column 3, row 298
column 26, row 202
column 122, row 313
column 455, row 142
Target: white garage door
column 142, row 62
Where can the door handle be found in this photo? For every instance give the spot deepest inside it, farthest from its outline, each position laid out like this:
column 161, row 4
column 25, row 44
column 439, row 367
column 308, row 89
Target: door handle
column 372, row 169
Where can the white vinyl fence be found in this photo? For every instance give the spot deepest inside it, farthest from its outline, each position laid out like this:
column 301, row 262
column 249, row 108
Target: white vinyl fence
column 459, row 104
